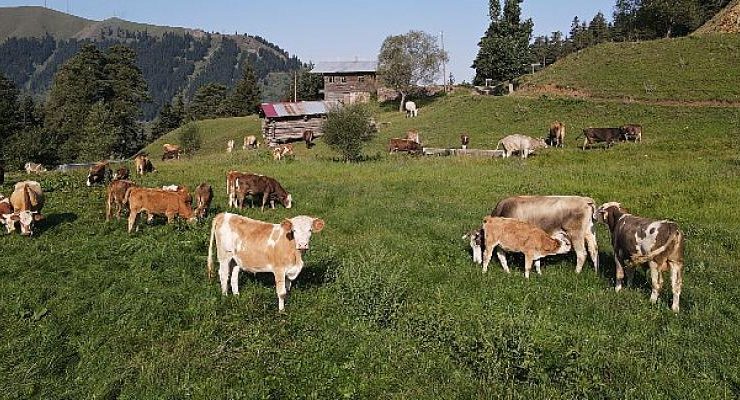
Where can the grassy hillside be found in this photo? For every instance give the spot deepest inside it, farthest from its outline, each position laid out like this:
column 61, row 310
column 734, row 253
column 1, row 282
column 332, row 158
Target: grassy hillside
column 390, row 304
column 696, row 68
column 37, row 21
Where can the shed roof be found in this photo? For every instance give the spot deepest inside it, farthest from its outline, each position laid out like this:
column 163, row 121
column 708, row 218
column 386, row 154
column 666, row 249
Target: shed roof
column 301, row 108
column 338, row 67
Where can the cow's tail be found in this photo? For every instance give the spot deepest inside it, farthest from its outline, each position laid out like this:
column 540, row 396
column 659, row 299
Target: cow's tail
column 209, row 265
column 127, row 196
column 108, row 204
column 675, row 239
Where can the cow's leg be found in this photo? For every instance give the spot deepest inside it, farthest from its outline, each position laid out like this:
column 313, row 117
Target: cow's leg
column 223, row 275
column 234, row 279
column 131, row 220
column 487, row 257
column 281, row 290
column 265, row 196
column 657, row 279
column 593, row 248
column 288, row 283
column 676, row 282
column 502, row 259
column 579, row 246
column 585, row 141
column 538, row 266
column 629, row 272
column 527, row 264
column 619, row 274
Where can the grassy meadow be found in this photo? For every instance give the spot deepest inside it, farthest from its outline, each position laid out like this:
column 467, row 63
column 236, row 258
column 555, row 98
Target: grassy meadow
column 390, row 304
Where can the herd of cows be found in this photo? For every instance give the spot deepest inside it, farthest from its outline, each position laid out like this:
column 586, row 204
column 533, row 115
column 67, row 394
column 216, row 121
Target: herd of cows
column 536, row 226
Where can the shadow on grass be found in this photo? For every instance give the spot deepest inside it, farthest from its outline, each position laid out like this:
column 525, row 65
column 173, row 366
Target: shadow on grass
column 52, row 221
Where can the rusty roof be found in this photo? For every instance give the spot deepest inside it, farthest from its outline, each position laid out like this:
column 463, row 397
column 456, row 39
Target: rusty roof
column 340, row 67
column 301, row 108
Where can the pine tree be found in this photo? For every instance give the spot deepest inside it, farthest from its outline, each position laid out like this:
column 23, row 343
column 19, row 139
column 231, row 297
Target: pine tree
column 8, row 111
column 128, row 92
column 246, row 97
column 598, row 29
column 208, row 102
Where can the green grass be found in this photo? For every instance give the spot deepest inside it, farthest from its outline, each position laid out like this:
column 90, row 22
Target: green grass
column 390, row 304
column 696, row 68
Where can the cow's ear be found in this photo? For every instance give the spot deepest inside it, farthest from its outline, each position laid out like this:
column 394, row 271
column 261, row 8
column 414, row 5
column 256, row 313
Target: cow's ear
column 317, row 225
column 287, row 225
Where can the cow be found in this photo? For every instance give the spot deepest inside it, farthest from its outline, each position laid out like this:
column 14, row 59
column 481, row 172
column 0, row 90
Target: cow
column 281, row 151
column 156, row 202
column 26, row 201
column 99, row 173
column 637, row 241
column 572, row 214
column 250, row 142
column 256, row 246
column 411, row 110
column 167, row 148
column 557, row 134
column 231, row 178
column 413, row 135
column 464, row 140
column 203, row 197
column 34, row 168
column 308, row 137
column 405, row 145
column 270, row 189
column 180, row 190
column 121, row 173
column 525, row 145
column 512, row 235
column 475, row 238
column 5, row 209
column 171, row 155
column 143, row 164
column 116, row 193
column 632, row 132
column 230, row 146
column 598, row 135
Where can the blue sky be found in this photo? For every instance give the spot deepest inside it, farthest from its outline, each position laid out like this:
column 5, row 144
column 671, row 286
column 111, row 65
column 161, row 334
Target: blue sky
column 332, row 30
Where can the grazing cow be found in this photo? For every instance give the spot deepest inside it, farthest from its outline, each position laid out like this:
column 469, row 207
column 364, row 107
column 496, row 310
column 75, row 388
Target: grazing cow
column 597, row 135
column 571, row 214
column 411, row 110
column 464, row 140
column 121, row 173
column 413, row 135
column 557, row 134
column 281, row 151
column 116, row 195
column 26, row 201
column 513, row 235
column 156, row 202
column 230, row 146
column 99, row 173
column 203, row 197
column 270, row 189
column 250, row 142
column 34, row 168
column 143, row 164
column 476, row 244
column 308, row 138
column 637, row 241
column 632, row 132
column 405, row 145
column 167, row 148
column 257, row 246
column 171, row 155
column 525, row 145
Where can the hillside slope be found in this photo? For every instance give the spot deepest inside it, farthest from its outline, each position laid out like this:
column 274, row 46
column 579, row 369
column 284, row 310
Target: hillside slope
column 691, row 69
column 38, row 21
column 726, row 21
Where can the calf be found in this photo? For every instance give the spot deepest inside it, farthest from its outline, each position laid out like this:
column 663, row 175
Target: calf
column 203, row 197
column 171, row 155
column 521, row 237
column 464, row 140
column 405, row 145
column 270, row 189
column 250, row 142
column 637, row 241
column 411, row 110
column 143, row 164
column 308, row 138
column 230, row 146
column 116, row 194
column 255, row 246
column 413, row 135
column 121, row 173
column 632, row 132
column 522, row 144
column 156, row 202
column 598, row 135
column 34, row 168
column 99, row 173
column 26, row 203
column 556, row 135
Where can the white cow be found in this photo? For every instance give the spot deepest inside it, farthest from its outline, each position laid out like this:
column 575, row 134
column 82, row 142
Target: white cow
column 411, row 110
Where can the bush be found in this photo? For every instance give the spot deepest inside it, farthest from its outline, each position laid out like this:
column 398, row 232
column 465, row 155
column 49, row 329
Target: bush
column 189, row 137
column 346, row 130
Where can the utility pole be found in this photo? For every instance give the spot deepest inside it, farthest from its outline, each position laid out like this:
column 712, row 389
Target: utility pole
column 444, row 62
column 295, row 87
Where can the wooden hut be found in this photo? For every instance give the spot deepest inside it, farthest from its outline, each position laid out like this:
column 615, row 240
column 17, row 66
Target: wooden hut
column 285, row 122
column 348, row 81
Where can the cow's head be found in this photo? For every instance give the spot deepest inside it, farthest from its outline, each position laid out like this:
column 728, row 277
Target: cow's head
column 477, row 244
column 301, row 228
column 565, row 244
column 542, row 142
column 26, row 220
column 287, row 201
column 609, row 213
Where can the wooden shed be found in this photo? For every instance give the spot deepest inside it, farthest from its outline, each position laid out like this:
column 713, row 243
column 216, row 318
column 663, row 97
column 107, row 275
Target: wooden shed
column 285, row 122
column 348, row 81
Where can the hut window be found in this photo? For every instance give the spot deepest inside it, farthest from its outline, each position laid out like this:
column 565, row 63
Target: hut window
column 331, row 79
column 361, row 78
column 343, row 79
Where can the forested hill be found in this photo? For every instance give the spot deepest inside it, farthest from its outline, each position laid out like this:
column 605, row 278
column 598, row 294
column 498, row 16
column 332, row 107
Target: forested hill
column 35, row 42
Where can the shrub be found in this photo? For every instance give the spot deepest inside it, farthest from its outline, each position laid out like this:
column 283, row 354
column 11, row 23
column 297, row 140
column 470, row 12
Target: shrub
column 346, row 130
column 189, row 137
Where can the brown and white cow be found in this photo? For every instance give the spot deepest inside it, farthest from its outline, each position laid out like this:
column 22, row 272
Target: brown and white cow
column 156, row 202
column 601, row 135
column 632, row 132
column 308, row 137
column 464, row 140
column 171, row 152
column 556, row 134
column 31, row 167
column 281, row 151
column 637, row 241
column 121, row 173
column 404, row 145
column 99, row 173
column 27, row 200
column 250, row 142
column 257, row 246
column 116, row 193
column 513, row 235
column 413, row 135
column 254, row 185
column 5, row 209
column 522, row 144
column 231, row 178
column 571, row 214
column 203, row 197
column 143, row 164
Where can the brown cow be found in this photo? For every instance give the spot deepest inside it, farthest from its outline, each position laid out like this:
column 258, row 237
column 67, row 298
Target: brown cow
column 5, row 209
column 413, row 135
column 116, row 194
column 121, row 173
column 180, row 190
column 513, row 235
column 250, row 142
column 203, row 197
column 308, row 138
column 281, row 151
column 632, row 132
column 170, row 147
column 598, row 135
column 557, row 134
column 256, row 246
column 464, row 140
column 143, row 164
column 99, row 173
column 270, row 189
column 156, row 202
column 171, row 155
column 405, row 145
column 637, row 241
column 27, row 200
column 231, row 178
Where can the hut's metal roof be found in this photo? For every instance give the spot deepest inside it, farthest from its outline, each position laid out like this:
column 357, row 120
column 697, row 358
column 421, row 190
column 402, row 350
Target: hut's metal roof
column 340, row 67
column 299, row 109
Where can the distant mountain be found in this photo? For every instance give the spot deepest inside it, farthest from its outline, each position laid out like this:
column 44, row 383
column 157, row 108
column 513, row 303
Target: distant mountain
column 36, row 41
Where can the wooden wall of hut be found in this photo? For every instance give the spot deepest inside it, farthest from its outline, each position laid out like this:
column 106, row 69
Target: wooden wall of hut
column 281, row 130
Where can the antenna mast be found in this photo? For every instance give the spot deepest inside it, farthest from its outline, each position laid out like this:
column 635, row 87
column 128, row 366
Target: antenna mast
column 444, row 61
